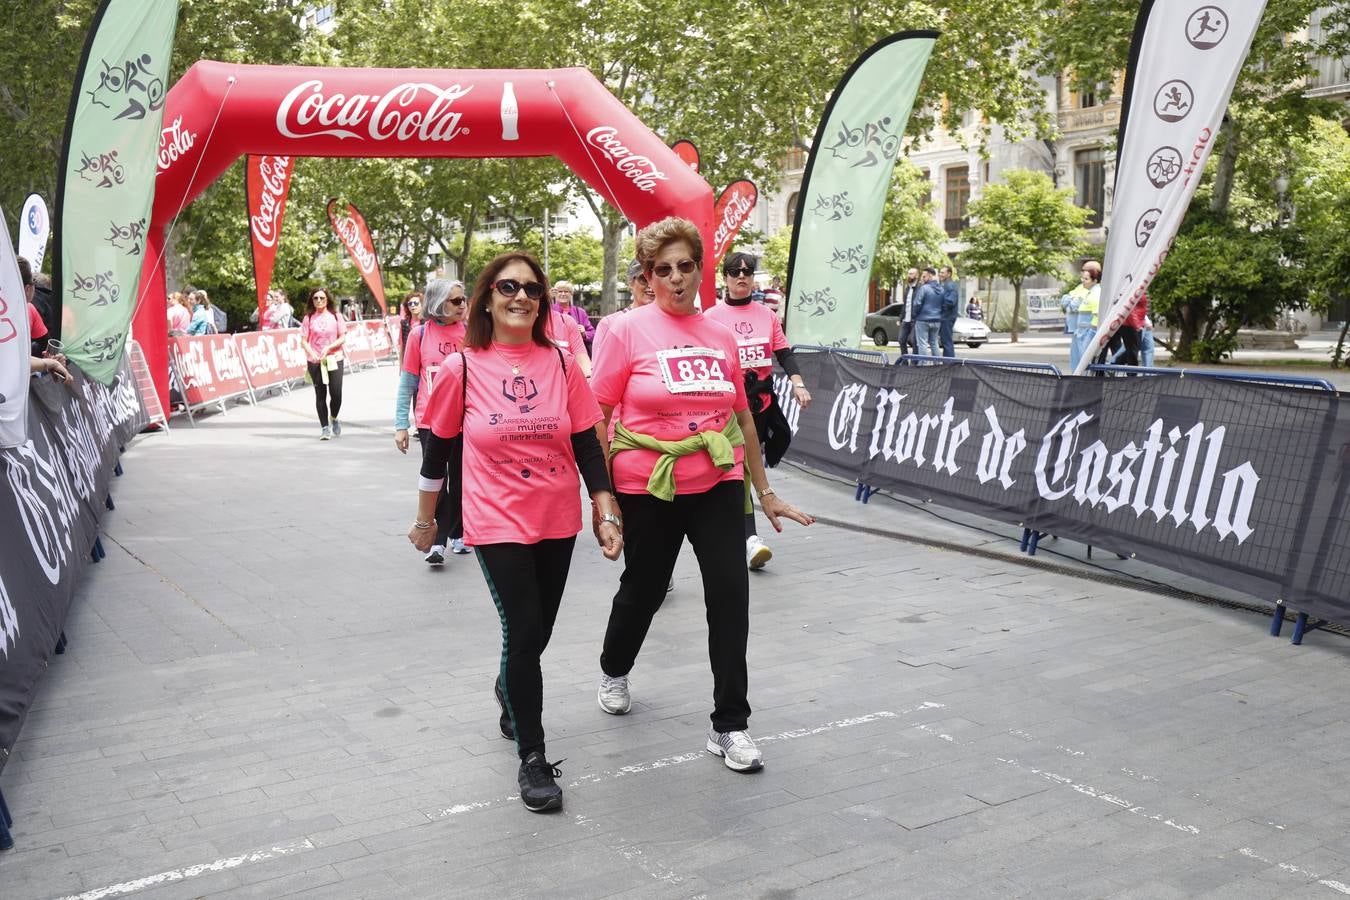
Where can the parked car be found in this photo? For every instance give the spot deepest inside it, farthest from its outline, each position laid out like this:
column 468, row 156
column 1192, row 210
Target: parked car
column 884, row 327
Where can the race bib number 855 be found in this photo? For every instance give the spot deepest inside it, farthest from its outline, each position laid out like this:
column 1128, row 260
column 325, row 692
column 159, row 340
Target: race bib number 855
column 686, row 370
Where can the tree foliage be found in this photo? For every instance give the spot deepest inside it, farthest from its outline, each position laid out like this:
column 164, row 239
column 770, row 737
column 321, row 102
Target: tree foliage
column 1021, row 228
column 908, row 236
column 1321, row 197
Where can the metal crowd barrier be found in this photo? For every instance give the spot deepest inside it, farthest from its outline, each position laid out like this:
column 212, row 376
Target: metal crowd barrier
column 910, row 359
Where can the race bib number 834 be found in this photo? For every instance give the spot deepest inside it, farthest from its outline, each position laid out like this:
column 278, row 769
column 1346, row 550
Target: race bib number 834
column 687, row 370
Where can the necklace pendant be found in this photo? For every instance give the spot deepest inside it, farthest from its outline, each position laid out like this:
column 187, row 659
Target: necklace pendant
column 515, row 370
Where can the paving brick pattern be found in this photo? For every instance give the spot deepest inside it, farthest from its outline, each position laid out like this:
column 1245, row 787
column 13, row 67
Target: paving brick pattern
column 269, row 694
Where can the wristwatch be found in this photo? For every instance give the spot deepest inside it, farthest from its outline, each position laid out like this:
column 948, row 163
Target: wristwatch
column 612, row 519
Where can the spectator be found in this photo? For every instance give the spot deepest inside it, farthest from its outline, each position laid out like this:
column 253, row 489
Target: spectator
column 180, row 317
column 322, row 334
column 928, row 305
column 562, row 293
column 37, row 329
column 974, row 310
column 1129, row 336
column 1146, row 347
column 773, row 297
column 950, row 301
column 203, row 320
column 909, row 295
column 679, row 458
column 1082, row 301
column 283, row 315
column 522, row 508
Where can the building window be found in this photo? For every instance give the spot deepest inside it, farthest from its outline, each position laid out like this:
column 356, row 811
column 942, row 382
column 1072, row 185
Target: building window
column 791, row 213
column 958, row 197
column 1087, row 99
column 1089, row 182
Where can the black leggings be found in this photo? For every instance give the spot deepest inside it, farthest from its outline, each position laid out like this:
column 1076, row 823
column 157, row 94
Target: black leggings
column 449, row 509
column 330, row 392
column 526, row 582
column 652, row 533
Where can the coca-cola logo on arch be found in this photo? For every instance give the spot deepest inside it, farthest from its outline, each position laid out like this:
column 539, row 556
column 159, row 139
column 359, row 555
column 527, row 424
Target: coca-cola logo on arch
column 174, row 141
column 410, row 111
column 635, row 167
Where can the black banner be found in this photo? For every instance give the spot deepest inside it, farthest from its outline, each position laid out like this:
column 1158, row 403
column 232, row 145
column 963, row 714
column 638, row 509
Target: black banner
column 1243, row 485
column 52, row 492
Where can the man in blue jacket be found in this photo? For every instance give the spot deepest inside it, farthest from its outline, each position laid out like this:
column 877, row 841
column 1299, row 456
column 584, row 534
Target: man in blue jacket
column 928, row 315
column 949, row 305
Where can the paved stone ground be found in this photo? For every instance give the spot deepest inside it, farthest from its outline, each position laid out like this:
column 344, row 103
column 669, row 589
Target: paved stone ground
column 268, row 694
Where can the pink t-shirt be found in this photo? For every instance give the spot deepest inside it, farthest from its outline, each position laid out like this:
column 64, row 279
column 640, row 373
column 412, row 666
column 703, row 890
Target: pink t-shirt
column 179, row 318
column 521, row 484
column 37, row 329
column 673, row 376
column 428, row 346
column 563, row 330
column 321, row 329
column 758, row 333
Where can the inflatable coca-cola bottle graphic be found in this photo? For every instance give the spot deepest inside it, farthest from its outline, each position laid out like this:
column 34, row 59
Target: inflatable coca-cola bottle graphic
column 510, row 113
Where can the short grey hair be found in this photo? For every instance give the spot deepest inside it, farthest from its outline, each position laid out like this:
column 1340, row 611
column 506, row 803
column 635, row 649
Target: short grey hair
column 434, row 297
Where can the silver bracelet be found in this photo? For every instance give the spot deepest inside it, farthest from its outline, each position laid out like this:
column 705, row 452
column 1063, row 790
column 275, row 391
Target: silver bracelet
column 422, row 526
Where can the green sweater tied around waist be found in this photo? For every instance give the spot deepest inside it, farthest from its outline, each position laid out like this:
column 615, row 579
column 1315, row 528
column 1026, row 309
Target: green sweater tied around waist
column 719, row 445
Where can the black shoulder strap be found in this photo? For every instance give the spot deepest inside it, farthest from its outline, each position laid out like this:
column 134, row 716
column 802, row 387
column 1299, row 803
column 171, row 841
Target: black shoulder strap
column 463, row 388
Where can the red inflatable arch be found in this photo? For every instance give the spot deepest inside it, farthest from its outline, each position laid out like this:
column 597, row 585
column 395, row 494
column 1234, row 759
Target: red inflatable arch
column 219, row 112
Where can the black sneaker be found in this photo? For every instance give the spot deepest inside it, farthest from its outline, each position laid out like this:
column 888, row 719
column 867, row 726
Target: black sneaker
column 504, row 723
column 538, row 790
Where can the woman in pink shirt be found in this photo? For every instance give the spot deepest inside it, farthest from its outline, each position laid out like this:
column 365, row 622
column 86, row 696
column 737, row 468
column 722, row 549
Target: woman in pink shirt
column 322, row 334
column 684, row 438
column 527, row 417
column 759, row 341
column 440, row 334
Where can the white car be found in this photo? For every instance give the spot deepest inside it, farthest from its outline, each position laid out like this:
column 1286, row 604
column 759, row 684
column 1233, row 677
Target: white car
column 971, row 332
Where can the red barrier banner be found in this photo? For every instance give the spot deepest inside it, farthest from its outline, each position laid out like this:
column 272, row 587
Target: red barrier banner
column 381, row 344
column 355, row 236
column 732, row 211
column 271, row 357
column 209, row 368
column 357, row 348
column 268, row 181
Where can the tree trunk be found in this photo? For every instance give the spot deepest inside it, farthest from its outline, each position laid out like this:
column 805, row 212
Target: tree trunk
column 1017, row 307
column 1339, row 356
column 1230, row 135
column 612, row 226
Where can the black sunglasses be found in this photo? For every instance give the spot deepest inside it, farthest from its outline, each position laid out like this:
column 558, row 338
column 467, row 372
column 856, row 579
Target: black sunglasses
column 509, row 287
column 740, row 271
column 457, row 301
column 663, row 270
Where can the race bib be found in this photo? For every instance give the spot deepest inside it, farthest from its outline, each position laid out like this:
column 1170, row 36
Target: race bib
column 687, row 370
column 754, row 353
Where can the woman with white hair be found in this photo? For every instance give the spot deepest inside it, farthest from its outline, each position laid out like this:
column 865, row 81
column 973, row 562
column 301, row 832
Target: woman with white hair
column 440, row 334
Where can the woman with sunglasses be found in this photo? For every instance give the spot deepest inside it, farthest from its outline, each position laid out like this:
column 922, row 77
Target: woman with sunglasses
column 322, row 334
column 758, row 334
column 683, row 441
column 409, row 313
column 440, row 334
column 527, row 417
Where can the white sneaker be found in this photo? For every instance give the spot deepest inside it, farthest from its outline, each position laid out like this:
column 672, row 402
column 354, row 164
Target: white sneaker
column 613, row 695
column 757, row 553
column 436, row 555
column 325, row 433
column 457, row 545
column 337, row 428
column 736, row 749
column 671, row 585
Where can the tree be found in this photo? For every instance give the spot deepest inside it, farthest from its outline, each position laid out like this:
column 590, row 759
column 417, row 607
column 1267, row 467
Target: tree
column 1268, row 115
column 1321, row 195
column 908, row 235
column 777, row 251
column 1021, row 228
